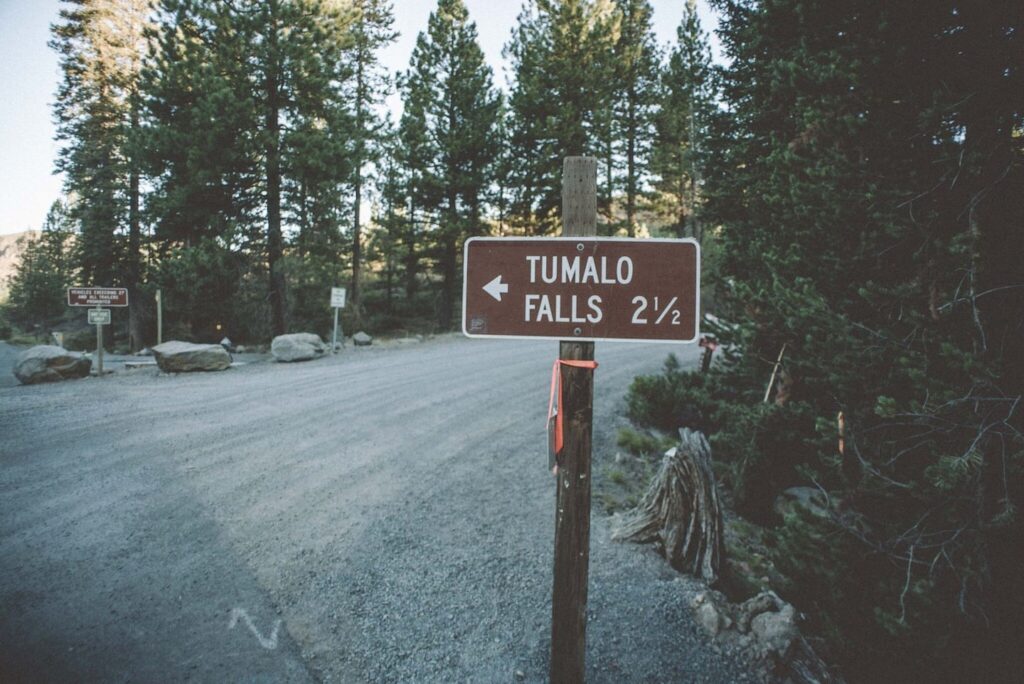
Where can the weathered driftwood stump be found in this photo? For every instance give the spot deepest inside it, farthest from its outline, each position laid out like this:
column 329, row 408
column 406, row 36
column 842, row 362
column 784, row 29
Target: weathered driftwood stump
column 680, row 510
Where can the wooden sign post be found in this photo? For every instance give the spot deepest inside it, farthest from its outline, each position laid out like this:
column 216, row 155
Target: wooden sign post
column 572, row 502
column 578, row 289
column 159, row 318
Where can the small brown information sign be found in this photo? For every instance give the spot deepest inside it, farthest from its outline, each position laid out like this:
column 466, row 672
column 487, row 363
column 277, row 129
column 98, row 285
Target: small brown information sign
column 97, row 296
column 582, row 288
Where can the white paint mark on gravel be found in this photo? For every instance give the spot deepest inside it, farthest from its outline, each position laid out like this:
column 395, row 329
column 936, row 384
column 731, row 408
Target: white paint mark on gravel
column 269, row 643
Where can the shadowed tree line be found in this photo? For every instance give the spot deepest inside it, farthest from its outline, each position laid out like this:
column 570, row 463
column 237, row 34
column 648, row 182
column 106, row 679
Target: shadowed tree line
column 237, row 156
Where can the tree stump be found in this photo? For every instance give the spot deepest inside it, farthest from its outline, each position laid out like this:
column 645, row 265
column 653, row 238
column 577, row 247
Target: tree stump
column 680, row 510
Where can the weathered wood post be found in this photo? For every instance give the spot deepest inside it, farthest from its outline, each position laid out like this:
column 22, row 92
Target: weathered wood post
column 572, row 521
column 159, row 318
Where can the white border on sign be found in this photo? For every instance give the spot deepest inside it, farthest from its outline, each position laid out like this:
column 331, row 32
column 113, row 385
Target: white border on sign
column 93, row 289
column 103, row 316
column 343, row 297
column 465, row 273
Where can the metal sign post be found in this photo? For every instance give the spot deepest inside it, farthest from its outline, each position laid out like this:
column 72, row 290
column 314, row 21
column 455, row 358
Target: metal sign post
column 337, row 302
column 99, row 317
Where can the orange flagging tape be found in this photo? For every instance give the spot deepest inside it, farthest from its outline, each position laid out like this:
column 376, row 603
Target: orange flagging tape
column 556, row 381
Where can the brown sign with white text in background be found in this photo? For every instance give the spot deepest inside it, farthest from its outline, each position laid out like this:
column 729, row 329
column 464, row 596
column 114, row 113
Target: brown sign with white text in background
column 97, row 296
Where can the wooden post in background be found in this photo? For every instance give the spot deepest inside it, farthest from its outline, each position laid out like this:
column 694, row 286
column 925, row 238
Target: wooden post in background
column 572, row 507
column 159, row 318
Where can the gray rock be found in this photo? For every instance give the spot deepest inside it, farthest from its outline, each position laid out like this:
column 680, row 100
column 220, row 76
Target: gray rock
column 48, row 363
column 811, row 498
column 185, row 357
column 709, row 618
column 765, row 602
column 241, row 349
column 297, row 347
column 361, row 339
column 711, row 612
column 145, row 351
column 775, row 631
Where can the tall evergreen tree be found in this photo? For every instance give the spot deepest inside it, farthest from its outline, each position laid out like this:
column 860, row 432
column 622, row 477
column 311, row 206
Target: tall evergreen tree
column 236, row 95
column 685, row 108
column 415, row 150
column 635, row 99
column 101, row 47
column 868, row 166
column 391, row 224
column 38, row 287
column 526, row 127
column 560, row 59
column 608, row 72
column 198, row 125
column 371, row 30
column 450, row 79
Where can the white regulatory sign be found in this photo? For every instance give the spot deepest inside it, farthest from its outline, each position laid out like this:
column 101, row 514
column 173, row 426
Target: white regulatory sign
column 338, row 297
column 99, row 316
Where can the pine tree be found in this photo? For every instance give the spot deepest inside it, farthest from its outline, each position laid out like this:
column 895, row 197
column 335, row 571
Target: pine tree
column 101, row 48
column 868, row 165
column 685, row 108
column 451, row 81
column 198, row 122
column 526, row 120
column 638, row 60
column 389, row 236
column 236, row 97
column 608, row 73
column 415, row 150
column 38, row 285
column 370, row 31
column 560, row 54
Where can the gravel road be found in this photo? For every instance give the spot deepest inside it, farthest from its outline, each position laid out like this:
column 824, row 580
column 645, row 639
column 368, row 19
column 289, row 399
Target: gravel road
column 382, row 515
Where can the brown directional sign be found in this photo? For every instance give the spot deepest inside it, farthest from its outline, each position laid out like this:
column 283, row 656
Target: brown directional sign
column 582, row 288
column 97, row 296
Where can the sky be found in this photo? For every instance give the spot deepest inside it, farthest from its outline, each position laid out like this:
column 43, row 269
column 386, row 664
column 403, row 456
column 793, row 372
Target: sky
column 29, row 76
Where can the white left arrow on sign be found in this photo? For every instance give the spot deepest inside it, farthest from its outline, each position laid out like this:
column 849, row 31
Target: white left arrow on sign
column 496, row 288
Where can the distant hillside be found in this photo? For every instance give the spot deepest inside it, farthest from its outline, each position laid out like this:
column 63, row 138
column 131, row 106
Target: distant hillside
column 9, row 255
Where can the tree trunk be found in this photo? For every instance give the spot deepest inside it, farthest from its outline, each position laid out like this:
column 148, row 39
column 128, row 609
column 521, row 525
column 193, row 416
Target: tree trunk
column 448, row 256
column 447, row 312
column 631, row 175
column 680, row 510
column 136, row 306
column 681, row 216
column 273, row 152
column 410, row 255
column 357, row 249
